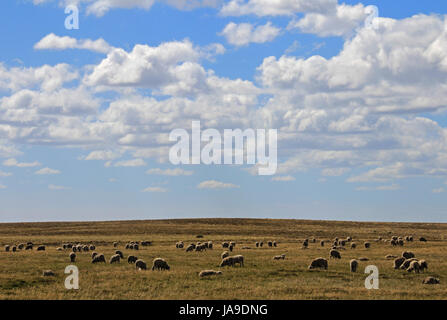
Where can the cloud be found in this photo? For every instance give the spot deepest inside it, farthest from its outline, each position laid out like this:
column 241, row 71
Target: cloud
column 45, row 171
column 54, row 42
column 439, row 190
column 213, row 184
column 130, row 163
column 170, row 172
column 14, row 163
column 283, row 178
column 155, row 189
column 245, row 33
column 275, row 8
column 102, row 155
column 5, row 174
column 2, row 186
column 56, row 187
column 334, row 172
column 392, row 187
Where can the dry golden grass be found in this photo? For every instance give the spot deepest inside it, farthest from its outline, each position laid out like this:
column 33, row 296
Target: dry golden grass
column 261, row 278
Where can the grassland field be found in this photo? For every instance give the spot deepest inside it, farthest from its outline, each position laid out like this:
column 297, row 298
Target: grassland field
column 261, row 277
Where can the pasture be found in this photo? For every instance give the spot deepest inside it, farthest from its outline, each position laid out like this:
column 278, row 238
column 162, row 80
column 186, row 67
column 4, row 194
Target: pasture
column 261, row 277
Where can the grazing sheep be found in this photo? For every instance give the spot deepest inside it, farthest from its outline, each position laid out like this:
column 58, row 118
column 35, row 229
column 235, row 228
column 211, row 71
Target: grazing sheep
column 274, row 243
column 231, row 261
column 238, row 259
column 400, row 242
column 322, row 243
column 191, row 247
column 305, row 244
column 393, row 242
column 29, row 247
column 225, row 254
column 407, row 254
column 422, row 239
column 398, row 262
column 318, row 263
column 246, row 248
column 270, row 244
column 363, row 259
column 210, row 245
column 7, row 248
column 118, row 252
column 94, row 254
column 73, row 249
column 179, row 245
column 414, row 266
column 430, row 280
column 21, row 246
column 115, row 244
column 406, row 264
column 127, row 246
column 257, row 244
column 261, row 244
column 410, row 238
column 59, row 249
column 99, row 258
column 136, row 246
column 367, row 245
column 233, row 244
column 160, row 264
column 115, row 258
column 281, row 257
column 423, row 265
column 146, row 243
column 394, row 238
column 349, row 239
column 85, row 248
column 230, row 248
column 14, row 249
column 353, row 245
column 225, row 245
column 72, row 256
column 132, row 259
column 342, row 243
column 92, row 247
column 140, row 265
column 48, row 273
column 353, row 265
column 207, row 273
column 131, row 246
column 41, row 248
column 390, row 256
column 334, row 254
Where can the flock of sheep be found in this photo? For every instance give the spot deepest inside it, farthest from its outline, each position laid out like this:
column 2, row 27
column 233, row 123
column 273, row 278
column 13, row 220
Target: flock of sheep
column 406, row 261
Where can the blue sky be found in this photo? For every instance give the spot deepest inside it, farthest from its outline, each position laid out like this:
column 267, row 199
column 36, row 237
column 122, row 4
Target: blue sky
column 360, row 112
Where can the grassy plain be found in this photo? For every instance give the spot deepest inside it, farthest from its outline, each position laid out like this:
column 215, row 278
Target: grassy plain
column 261, row 278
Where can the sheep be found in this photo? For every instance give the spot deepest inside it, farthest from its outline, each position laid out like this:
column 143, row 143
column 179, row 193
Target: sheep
column 363, row 259
column 224, row 254
column 73, row 249
column 94, row 254
column 246, row 248
column 274, row 243
column 207, row 273
column 41, row 248
column 305, row 244
column 140, row 265
column 21, row 246
column 225, row 245
column 348, row 239
column 390, row 256
column 422, row 239
column 394, row 238
column 59, row 249
column 115, row 258
column 233, row 244
column 410, row 238
column 407, row 254
column 261, row 244
column 270, row 243
column 191, row 247
column 398, row 262
column 118, row 252
column 29, row 247
column 7, row 248
column 367, row 245
column 257, row 244
column 86, row 248
column 146, row 243
column 342, row 243
column 48, row 273
column 136, row 246
column 179, row 245
column 423, row 265
column 318, row 263
column 131, row 246
column 414, row 266
column 393, row 242
column 400, row 242
column 127, row 246
column 406, row 264
column 281, row 257
column 160, row 264
column 353, row 264
column 115, row 244
column 334, row 254
column 99, row 258
column 430, row 280
column 72, row 256
column 353, row 245
column 14, row 248
column 132, row 259
column 322, row 243
column 92, row 247
column 238, row 259
column 210, row 245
